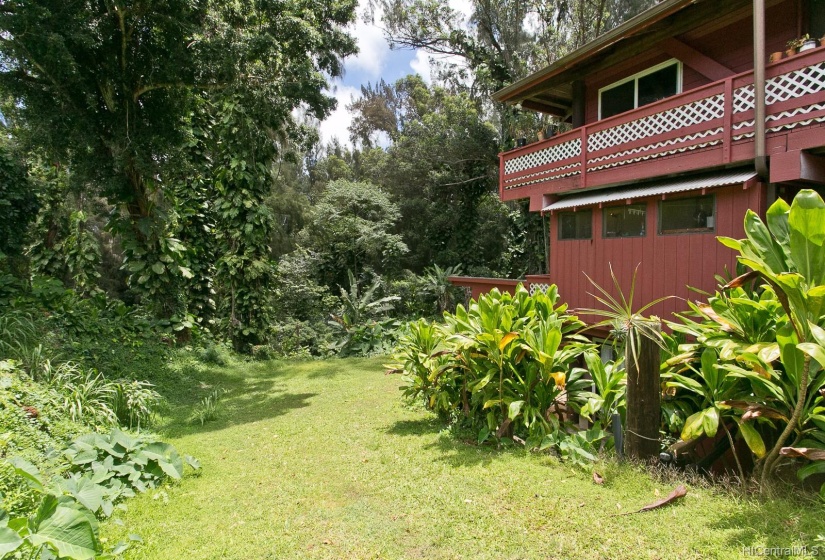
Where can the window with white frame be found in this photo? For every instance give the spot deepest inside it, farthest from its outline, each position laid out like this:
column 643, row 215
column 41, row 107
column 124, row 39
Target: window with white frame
column 638, row 90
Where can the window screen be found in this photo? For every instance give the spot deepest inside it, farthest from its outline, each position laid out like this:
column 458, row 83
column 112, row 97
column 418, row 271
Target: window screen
column 687, row 215
column 576, row 225
column 624, row 221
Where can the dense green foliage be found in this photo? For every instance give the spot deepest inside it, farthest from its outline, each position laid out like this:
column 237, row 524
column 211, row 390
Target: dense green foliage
column 762, row 348
column 103, row 470
column 749, row 363
column 505, row 366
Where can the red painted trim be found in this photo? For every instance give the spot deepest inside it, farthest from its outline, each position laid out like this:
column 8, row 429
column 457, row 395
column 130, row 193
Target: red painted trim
column 797, row 165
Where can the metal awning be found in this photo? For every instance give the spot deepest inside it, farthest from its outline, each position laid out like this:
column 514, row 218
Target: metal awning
column 721, row 179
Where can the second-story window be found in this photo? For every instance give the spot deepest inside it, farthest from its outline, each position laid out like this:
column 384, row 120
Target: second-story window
column 624, row 221
column 576, row 225
column 658, row 82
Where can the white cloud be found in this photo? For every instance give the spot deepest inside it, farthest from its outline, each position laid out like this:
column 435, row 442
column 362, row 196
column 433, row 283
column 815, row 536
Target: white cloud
column 464, row 7
column 336, row 125
column 421, row 65
column 373, row 48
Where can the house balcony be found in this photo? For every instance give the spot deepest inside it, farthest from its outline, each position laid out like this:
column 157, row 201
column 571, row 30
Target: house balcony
column 706, row 127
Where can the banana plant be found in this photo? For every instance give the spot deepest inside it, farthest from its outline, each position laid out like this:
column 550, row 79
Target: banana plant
column 789, row 255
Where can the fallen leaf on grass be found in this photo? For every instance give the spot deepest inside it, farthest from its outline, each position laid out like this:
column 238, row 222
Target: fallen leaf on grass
column 678, row 493
column 597, row 478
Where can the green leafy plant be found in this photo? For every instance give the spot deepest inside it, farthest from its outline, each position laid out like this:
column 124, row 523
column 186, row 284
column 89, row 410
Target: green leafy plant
column 208, row 408
column 85, row 394
column 362, row 325
column 134, row 402
column 788, row 253
column 60, row 528
column 105, row 468
column 627, row 325
column 505, row 365
column 438, row 283
column 610, row 380
column 579, row 448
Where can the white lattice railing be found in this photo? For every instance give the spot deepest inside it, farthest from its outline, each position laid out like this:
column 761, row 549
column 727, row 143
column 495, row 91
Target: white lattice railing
column 711, row 117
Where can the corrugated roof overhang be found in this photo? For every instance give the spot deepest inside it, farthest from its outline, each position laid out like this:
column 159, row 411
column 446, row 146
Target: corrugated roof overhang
column 721, row 179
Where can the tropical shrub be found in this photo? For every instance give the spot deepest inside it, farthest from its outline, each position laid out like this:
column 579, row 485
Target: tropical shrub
column 105, row 468
column 61, row 527
column 134, row 403
column 610, row 381
column 361, row 327
column 505, row 364
column 757, row 363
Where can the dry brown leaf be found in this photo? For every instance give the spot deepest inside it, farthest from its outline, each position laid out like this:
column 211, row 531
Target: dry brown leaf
column 597, row 478
column 812, row 454
column 678, row 493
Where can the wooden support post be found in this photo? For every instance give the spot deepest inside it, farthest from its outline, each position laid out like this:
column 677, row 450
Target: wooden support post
column 643, row 400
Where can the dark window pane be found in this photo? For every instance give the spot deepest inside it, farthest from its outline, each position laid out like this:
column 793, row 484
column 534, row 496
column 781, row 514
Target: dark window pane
column 658, row 85
column 576, row 225
column 624, row 221
column 687, row 215
column 618, row 99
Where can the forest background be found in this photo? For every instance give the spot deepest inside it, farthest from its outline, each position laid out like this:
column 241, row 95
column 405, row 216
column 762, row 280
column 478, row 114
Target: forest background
column 161, row 164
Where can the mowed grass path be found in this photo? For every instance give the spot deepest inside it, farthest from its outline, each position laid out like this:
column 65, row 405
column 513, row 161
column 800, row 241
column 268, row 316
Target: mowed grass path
column 323, row 460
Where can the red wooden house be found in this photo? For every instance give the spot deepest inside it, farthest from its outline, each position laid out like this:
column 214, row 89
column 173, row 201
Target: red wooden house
column 680, row 123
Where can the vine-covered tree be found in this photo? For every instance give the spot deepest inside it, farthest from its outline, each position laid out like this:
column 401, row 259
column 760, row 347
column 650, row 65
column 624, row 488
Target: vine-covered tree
column 110, row 88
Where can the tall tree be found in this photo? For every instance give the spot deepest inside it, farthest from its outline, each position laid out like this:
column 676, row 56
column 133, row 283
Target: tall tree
column 109, row 88
column 441, row 168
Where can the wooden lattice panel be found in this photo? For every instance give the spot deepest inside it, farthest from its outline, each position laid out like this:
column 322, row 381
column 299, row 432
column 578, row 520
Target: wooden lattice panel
column 555, row 173
column 784, row 87
column 683, row 116
column 536, row 287
column 652, row 150
column 559, row 152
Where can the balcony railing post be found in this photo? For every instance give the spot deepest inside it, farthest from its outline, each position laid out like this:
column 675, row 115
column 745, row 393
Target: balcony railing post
column 584, row 156
column 727, row 120
column 501, row 176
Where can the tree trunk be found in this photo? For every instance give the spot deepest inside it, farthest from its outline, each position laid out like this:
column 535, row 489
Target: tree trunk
column 643, row 399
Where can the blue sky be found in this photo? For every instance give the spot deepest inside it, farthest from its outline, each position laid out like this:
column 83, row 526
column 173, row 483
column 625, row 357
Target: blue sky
column 374, row 62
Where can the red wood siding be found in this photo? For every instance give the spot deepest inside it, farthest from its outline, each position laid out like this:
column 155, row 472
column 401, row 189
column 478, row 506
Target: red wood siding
column 667, row 263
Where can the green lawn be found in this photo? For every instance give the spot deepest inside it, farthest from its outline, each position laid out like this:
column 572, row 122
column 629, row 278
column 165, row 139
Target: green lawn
column 323, row 460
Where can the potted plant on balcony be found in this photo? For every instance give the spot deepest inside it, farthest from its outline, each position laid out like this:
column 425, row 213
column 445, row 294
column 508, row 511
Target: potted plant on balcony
column 775, row 57
column 791, row 46
column 807, row 43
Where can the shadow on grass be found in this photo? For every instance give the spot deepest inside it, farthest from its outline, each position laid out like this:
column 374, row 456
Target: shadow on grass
column 774, row 523
column 248, row 393
column 453, row 449
column 421, row 427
